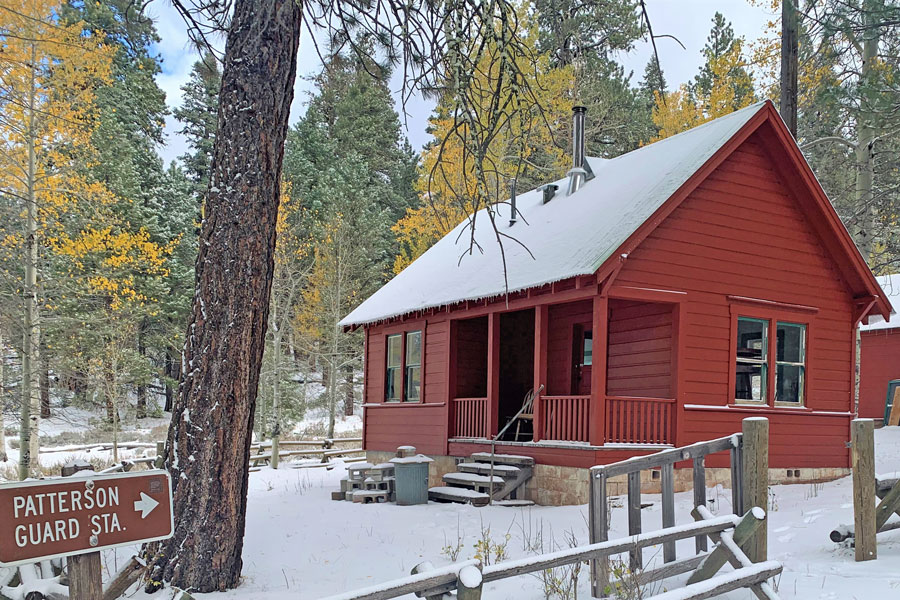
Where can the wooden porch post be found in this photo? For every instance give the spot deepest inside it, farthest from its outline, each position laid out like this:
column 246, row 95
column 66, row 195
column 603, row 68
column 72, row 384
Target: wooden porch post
column 493, row 374
column 541, row 330
column 599, row 333
column 679, row 326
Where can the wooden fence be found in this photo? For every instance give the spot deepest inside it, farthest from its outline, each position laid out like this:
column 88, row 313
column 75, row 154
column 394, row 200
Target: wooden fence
column 729, row 532
column 870, row 516
column 749, row 477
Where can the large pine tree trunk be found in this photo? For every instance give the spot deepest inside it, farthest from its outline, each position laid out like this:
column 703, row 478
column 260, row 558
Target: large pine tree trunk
column 789, row 64
column 864, row 233
column 208, row 445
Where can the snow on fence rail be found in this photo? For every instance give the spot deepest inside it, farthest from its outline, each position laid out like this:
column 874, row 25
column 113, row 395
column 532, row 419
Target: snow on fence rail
column 730, row 530
column 749, row 477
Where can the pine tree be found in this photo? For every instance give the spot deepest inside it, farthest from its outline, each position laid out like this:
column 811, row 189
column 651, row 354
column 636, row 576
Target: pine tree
column 200, row 105
column 720, row 45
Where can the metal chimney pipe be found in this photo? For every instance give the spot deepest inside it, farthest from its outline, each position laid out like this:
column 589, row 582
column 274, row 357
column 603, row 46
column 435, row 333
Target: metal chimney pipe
column 513, row 215
column 577, row 173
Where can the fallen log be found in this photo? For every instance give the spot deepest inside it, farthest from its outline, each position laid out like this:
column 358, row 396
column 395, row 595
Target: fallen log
column 124, row 579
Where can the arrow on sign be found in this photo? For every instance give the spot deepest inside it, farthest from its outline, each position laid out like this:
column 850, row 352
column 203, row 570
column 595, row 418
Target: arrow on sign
column 145, row 505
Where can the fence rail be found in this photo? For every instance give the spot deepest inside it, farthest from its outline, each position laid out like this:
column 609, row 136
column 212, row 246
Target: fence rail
column 633, row 420
column 428, row 582
column 469, row 417
column 565, row 418
column 744, row 493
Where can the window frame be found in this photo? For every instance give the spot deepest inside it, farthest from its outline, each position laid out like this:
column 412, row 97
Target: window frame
column 407, row 366
column 772, row 313
column 803, row 364
column 402, row 333
column 763, row 362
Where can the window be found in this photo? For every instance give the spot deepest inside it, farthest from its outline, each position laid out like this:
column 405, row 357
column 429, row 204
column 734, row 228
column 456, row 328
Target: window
column 790, row 363
column 752, row 360
column 403, row 372
column 588, row 349
column 413, row 366
column 394, row 368
column 754, row 357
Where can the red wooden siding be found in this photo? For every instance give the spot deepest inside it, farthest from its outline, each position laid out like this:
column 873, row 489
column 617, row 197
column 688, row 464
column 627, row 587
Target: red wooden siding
column 879, row 363
column 423, row 425
column 741, row 234
column 563, row 319
column 640, row 349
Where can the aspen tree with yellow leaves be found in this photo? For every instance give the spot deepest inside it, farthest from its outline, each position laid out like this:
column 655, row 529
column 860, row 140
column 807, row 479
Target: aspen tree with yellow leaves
column 48, row 73
column 723, row 86
column 456, row 182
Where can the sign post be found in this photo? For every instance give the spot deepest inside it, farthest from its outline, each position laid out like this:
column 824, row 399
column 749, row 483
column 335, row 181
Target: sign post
column 78, row 516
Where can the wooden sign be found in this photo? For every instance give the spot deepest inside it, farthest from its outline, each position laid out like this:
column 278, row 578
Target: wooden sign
column 52, row 518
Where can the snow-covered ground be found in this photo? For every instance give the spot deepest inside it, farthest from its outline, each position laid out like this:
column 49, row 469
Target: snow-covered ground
column 301, row 544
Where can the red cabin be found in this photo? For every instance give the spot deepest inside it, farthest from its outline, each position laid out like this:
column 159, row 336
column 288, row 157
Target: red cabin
column 879, row 356
column 681, row 288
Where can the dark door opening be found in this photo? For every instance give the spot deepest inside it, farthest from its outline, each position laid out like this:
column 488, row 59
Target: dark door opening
column 516, row 367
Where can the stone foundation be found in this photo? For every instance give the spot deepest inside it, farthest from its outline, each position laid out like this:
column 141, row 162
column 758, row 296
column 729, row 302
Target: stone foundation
column 554, row 485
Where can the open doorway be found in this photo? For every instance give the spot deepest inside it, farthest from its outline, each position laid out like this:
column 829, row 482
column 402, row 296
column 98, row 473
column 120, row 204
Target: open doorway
column 516, row 367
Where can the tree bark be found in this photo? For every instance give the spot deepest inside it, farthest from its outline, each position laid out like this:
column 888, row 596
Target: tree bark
column 208, row 445
column 141, row 408
column 29, row 444
column 789, row 64
column 3, row 456
column 45, row 383
column 170, row 374
column 348, row 391
column 864, row 231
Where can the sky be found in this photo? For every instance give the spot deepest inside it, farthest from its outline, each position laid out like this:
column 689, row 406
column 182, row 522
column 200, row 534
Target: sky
column 688, row 20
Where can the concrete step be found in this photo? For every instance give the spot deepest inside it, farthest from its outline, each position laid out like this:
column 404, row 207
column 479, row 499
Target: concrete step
column 513, row 503
column 503, row 459
column 472, row 480
column 485, row 469
column 459, row 495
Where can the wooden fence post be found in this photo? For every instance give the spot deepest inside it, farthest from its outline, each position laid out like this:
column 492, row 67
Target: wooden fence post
column 700, row 496
column 469, row 583
column 862, row 461
column 668, row 507
column 755, row 480
column 636, row 561
column 598, row 531
column 85, row 582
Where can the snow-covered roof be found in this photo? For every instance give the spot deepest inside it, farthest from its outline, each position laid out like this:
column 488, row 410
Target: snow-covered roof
column 569, row 236
column 891, row 286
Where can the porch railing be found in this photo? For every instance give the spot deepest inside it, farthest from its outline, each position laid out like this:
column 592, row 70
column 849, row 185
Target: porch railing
column 565, row 418
column 639, row 420
column 469, row 417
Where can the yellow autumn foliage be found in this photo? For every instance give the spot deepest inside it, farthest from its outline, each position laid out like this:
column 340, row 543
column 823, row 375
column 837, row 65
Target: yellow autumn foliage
column 448, row 184
column 680, row 110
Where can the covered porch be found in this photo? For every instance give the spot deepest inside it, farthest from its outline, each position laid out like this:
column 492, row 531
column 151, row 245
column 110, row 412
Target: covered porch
column 606, row 368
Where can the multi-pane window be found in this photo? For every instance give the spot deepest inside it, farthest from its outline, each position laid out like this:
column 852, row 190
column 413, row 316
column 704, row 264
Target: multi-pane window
column 752, row 360
column 790, row 363
column 394, row 386
column 413, row 366
column 403, row 372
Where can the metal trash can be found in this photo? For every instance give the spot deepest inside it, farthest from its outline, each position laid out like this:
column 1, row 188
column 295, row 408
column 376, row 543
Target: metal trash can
column 411, row 479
